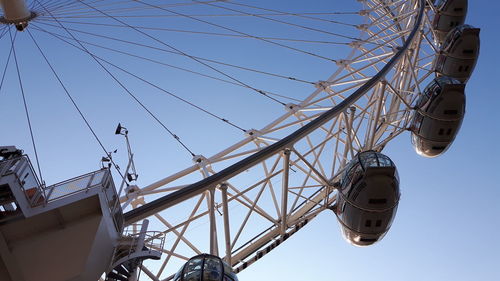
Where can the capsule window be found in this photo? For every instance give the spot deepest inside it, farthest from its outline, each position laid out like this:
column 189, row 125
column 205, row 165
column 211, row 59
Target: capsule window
column 466, row 68
column 377, row 201
column 451, row 112
column 448, row 132
column 212, row 269
column 458, row 9
column 368, row 223
column 367, row 239
column 460, row 68
column 378, row 223
column 468, row 51
column 441, row 132
column 438, row 147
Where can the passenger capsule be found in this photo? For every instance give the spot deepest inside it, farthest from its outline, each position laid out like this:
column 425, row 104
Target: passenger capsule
column 368, row 198
column 205, row 267
column 438, row 116
column 449, row 14
column 459, row 52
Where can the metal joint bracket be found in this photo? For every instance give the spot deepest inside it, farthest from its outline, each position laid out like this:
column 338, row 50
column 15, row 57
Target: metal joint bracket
column 323, row 85
column 200, row 160
column 132, row 190
column 356, row 44
column 363, row 27
column 343, row 63
column 293, row 108
column 364, row 12
column 253, row 133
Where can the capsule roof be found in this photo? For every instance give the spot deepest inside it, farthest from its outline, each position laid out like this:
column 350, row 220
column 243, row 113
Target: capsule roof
column 374, row 159
column 205, row 267
column 457, row 32
column 451, row 7
column 441, row 81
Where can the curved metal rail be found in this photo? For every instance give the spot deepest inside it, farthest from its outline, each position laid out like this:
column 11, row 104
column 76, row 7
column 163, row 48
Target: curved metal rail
column 203, row 185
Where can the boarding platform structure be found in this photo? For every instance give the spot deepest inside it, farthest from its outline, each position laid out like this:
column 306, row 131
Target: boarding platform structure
column 69, row 231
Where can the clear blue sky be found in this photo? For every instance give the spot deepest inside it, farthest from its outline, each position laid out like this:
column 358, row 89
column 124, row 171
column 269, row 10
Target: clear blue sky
column 448, row 217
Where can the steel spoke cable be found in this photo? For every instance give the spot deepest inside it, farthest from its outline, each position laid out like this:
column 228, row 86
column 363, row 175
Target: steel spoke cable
column 288, row 14
column 177, row 53
column 69, row 4
column 250, row 36
column 103, row 3
column 86, row 10
column 201, row 15
column 197, row 60
column 31, row 6
column 7, row 63
column 162, row 89
column 26, row 111
column 197, row 32
column 54, row 4
column 183, row 69
column 177, row 138
column 59, row 36
column 285, row 22
column 243, row 33
column 4, row 31
column 74, row 102
column 68, row 8
column 75, row 6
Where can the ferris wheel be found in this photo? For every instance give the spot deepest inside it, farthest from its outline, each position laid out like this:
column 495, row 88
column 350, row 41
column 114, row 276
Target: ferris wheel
column 403, row 68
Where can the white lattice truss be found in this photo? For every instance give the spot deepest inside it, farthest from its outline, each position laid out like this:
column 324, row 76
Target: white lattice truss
column 251, row 213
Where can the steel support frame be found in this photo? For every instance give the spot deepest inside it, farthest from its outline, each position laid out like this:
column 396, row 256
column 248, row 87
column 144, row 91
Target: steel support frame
column 200, row 186
column 291, row 217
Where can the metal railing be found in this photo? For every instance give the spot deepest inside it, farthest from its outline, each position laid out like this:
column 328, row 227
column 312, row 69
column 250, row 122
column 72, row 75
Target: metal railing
column 154, row 242
column 27, row 179
column 97, row 179
column 37, row 194
column 75, row 185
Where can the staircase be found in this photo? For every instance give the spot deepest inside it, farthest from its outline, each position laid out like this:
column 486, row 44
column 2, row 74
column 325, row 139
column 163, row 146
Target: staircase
column 132, row 249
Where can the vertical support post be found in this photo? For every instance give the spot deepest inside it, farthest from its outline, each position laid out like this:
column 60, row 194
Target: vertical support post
column 213, row 225
column 348, row 119
column 346, row 145
column 142, row 235
column 140, row 245
column 350, row 122
column 284, row 190
column 124, row 179
column 227, row 233
column 381, row 91
column 214, row 247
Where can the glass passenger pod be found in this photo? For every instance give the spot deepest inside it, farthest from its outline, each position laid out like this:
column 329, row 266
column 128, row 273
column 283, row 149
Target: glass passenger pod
column 438, row 116
column 205, row 267
column 449, row 14
column 368, row 198
column 459, row 52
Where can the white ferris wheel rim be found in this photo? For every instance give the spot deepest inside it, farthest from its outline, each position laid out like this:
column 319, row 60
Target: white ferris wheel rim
column 293, row 222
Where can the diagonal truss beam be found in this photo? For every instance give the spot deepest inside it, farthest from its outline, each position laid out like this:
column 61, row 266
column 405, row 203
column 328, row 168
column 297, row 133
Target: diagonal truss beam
column 201, row 186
